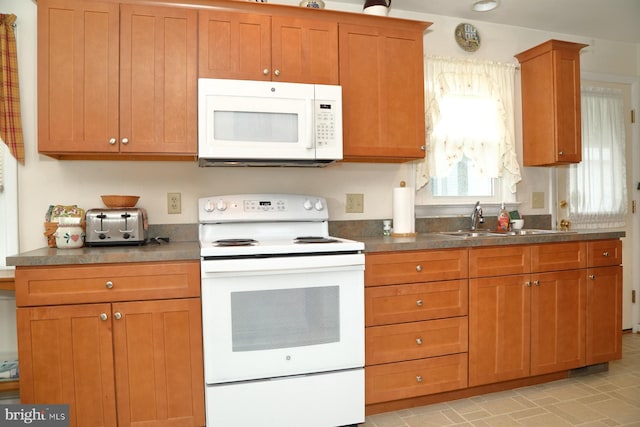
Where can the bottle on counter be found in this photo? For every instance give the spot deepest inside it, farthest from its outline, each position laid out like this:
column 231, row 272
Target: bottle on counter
column 503, row 219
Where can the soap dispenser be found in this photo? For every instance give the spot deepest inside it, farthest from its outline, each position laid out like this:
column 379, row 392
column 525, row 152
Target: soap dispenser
column 503, row 219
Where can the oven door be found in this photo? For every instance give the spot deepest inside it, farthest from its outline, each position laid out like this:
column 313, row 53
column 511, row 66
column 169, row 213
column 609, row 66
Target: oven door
column 276, row 317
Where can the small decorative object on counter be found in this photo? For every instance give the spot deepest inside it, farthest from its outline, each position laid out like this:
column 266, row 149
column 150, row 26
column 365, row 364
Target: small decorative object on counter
column 503, row 219
column 386, row 227
column 377, row 7
column 59, row 214
column 314, row 4
column 69, row 234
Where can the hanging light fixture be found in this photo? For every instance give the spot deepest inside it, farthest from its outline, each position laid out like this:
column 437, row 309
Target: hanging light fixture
column 484, row 5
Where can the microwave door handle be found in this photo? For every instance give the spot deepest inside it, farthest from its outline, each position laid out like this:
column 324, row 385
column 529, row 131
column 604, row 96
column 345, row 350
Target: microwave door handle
column 312, row 129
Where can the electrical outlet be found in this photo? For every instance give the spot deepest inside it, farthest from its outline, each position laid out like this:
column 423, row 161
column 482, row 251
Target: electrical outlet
column 174, row 203
column 537, row 200
column 355, row 203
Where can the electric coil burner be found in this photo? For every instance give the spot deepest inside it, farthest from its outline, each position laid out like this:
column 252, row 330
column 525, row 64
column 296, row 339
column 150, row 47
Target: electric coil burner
column 282, row 313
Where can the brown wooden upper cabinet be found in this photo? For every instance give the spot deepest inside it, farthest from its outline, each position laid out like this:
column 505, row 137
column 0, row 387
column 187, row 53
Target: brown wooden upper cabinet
column 382, row 78
column 551, row 124
column 116, row 81
column 253, row 46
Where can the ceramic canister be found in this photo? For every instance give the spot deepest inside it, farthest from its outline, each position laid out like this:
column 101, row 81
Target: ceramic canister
column 69, row 236
column 377, row 7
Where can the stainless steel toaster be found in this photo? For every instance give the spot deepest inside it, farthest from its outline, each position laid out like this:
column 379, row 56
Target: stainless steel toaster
column 116, row 227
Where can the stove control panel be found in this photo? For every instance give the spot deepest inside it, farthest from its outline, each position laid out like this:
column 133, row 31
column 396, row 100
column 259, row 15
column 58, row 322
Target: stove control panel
column 262, row 207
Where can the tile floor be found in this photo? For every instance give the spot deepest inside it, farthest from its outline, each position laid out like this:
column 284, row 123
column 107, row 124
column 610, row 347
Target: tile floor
column 609, row 398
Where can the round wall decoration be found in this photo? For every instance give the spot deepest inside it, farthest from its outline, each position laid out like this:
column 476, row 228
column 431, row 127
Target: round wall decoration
column 467, row 37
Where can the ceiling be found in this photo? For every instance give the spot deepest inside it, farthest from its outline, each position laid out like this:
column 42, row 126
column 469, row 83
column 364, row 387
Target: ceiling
column 616, row 20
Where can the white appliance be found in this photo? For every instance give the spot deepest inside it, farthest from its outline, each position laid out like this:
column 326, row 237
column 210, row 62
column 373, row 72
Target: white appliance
column 282, row 313
column 259, row 123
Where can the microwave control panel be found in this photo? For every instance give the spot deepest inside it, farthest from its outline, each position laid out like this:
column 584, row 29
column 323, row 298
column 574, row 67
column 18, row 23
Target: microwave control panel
column 325, row 123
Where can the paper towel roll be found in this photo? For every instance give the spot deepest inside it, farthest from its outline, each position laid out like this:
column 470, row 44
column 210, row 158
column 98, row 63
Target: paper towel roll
column 403, row 210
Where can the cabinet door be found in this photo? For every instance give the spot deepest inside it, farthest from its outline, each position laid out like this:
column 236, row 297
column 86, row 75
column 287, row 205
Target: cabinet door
column 158, row 355
column 381, row 73
column 304, row 50
column 158, row 85
column 78, row 76
column 558, row 304
column 499, row 325
column 234, row 45
column 66, row 357
column 551, row 118
column 604, row 314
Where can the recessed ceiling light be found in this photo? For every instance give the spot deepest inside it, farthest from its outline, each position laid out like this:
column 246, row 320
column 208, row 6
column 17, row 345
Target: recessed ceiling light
column 484, row 5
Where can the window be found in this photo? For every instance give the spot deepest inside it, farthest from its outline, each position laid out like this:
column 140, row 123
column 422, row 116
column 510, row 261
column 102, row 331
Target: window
column 596, row 187
column 470, row 133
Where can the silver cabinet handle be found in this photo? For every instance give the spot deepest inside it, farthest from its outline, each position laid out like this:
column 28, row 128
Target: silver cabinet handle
column 109, row 284
column 536, row 282
column 419, row 378
column 125, row 141
column 528, row 284
column 112, row 141
column 276, row 72
column 419, row 341
column 561, row 153
column 103, row 316
column 265, row 71
column 117, row 315
column 592, row 276
column 423, row 147
column 419, row 303
column 418, row 268
column 605, row 254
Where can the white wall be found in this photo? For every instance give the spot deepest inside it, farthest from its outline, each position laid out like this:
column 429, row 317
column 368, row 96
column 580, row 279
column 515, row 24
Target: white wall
column 44, row 181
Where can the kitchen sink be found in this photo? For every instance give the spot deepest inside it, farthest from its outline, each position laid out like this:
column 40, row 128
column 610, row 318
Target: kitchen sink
column 475, row 233
column 489, row 233
column 532, row 232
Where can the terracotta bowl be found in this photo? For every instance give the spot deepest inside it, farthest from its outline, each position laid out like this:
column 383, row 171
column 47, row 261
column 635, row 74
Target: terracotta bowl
column 116, row 201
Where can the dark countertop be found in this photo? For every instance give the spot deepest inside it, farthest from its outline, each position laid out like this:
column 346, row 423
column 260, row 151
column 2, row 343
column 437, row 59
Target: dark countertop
column 176, row 251
column 442, row 241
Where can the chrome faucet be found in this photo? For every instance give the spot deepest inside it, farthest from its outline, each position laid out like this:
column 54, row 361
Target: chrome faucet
column 476, row 216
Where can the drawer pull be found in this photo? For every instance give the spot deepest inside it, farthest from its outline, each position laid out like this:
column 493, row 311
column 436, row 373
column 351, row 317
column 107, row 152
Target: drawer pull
column 103, row 316
column 528, row 284
column 592, row 276
column 419, row 303
column 419, row 378
column 536, row 282
column 117, row 315
column 605, row 254
column 419, row 341
column 109, row 284
column 418, row 268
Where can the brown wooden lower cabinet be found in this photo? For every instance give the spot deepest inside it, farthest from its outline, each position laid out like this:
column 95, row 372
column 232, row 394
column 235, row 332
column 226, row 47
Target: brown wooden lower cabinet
column 121, row 363
column 534, row 313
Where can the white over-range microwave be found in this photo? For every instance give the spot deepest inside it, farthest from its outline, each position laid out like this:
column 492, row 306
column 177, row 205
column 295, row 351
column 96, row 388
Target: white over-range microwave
column 259, row 123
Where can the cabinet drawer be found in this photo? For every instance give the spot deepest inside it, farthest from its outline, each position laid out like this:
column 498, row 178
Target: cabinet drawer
column 414, row 267
column 558, row 256
column 603, row 253
column 499, row 261
column 416, row 340
column 54, row 285
column 386, row 305
column 402, row 380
